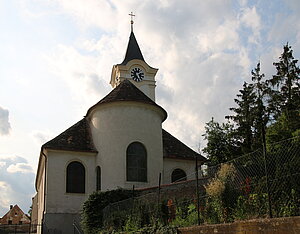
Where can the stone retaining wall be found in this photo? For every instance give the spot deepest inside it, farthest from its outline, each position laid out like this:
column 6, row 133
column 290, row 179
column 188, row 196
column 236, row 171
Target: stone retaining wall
column 259, row 226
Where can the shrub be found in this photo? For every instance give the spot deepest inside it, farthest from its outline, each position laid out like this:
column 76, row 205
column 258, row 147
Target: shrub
column 221, row 195
column 92, row 214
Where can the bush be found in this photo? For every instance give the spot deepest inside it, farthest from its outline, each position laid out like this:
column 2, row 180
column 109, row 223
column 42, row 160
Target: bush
column 92, row 214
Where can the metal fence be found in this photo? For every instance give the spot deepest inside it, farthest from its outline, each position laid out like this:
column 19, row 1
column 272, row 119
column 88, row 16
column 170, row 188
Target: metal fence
column 264, row 183
column 18, row 228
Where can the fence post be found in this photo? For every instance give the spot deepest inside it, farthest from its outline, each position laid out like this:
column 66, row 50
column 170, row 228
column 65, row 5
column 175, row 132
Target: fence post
column 158, row 196
column 132, row 209
column 197, row 191
column 266, row 171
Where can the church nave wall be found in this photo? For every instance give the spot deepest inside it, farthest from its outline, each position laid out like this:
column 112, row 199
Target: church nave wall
column 188, row 166
column 57, row 199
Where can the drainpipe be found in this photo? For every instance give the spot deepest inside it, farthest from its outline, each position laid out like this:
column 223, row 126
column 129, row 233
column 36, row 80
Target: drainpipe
column 45, row 180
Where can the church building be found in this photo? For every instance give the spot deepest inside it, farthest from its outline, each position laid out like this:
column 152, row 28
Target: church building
column 119, row 143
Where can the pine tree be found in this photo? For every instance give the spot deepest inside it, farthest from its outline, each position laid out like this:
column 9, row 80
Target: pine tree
column 285, row 93
column 284, row 101
column 261, row 115
column 244, row 116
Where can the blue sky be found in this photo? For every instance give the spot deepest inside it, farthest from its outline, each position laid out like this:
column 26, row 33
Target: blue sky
column 56, row 57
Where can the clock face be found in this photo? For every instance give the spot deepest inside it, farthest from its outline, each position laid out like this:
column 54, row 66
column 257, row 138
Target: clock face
column 137, row 74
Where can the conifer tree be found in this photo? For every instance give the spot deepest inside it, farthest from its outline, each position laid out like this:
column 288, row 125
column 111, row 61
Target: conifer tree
column 261, row 115
column 285, row 93
column 244, row 116
column 284, row 101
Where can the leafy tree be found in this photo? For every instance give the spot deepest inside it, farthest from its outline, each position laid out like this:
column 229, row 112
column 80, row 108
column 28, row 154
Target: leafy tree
column 221, row 144
column 244, row 116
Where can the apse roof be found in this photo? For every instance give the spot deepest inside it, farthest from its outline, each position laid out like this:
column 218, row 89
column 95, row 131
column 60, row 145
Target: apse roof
column 126, row 91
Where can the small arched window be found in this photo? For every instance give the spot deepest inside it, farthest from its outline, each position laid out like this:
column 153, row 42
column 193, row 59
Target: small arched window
column 98, row 178
column 75, row 178
column 136, row 162
column 178, row 175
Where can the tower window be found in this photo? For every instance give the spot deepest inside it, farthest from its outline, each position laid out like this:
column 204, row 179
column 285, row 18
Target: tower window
column 178, row 175
column 75, row 178
column 98, row 178
column 136, row 162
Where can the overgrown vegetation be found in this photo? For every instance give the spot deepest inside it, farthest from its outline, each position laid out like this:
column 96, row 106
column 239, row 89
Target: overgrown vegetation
column 92, row 215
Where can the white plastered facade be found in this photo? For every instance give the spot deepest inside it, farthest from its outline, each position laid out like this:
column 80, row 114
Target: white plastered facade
column 122, row 72
column 114, row 127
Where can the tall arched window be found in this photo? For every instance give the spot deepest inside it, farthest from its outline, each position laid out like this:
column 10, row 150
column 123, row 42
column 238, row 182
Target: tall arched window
column 178, row 175
column 136, row 162
column 75, row 178
column 98, row 178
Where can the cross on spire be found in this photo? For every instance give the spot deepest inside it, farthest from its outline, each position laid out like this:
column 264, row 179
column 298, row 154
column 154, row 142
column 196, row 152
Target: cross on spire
column 131, row 21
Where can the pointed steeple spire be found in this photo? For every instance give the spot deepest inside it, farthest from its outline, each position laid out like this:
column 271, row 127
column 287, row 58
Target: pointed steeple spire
column 133, row 50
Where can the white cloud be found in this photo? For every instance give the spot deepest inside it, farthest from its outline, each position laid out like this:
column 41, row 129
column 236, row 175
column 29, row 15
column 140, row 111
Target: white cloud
column 19, row 167
column 41, row 137
column 251, row 19
column 5, row 191
column 16, row 183
column 82, row 73
column 4, row 122
column 100, row 13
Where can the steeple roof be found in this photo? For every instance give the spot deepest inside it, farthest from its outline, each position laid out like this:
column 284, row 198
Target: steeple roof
column 133, row 50
column 126, row 91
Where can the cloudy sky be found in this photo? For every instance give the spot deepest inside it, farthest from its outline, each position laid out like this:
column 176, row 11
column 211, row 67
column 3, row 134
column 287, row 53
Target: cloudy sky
column 56, row 58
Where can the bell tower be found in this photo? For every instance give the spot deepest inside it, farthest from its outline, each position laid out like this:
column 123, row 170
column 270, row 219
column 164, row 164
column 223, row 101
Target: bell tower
column 135, row 69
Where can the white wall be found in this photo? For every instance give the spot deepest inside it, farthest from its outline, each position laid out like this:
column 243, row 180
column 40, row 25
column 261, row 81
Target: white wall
column 114, row 126
column 57, row 200
column 171, row 164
